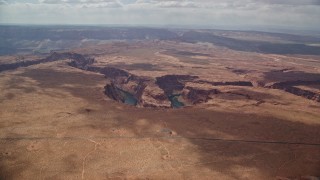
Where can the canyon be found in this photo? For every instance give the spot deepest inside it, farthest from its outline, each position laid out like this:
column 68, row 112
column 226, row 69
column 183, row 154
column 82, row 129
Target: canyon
column 141, row 103
column 156, row 92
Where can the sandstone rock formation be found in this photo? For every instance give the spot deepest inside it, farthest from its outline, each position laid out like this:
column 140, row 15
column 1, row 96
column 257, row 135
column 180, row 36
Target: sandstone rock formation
column 172, row 83
column 161, row 91
column 196, row 96
column 79, row 61
column 229, row 83
column 153, row 96
column 112, row 92
column 290, row 87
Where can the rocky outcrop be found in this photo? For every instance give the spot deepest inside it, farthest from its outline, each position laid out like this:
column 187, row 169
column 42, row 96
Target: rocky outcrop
column 235, row 83
column 114, row 73
column 12, row 66
column 169, row 91
column 303, row 93
column 293, row 83
column 196, row 96
column 228, row 83
column 289, row 87
column 78, row 61
column 146, row 94
column 153, row 96
column 126, row 87
column 150, row 93
column 172, row 83
column 67, row 55
column 112, row 92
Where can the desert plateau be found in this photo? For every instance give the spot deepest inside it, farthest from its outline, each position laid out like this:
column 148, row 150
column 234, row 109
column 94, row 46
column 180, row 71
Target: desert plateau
column 156, row 103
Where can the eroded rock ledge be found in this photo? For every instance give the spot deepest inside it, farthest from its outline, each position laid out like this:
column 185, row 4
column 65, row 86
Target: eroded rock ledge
column 171, row 90
column 290, row 87
column 165, row 91
column 51, row 58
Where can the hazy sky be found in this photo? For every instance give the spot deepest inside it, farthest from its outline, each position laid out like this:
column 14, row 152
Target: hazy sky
column 293, row 14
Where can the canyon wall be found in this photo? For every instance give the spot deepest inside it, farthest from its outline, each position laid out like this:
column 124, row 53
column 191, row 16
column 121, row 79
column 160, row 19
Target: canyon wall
column 148, row 92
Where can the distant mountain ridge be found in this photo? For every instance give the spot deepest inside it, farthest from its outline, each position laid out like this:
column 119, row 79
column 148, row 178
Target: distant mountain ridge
column 44, row 39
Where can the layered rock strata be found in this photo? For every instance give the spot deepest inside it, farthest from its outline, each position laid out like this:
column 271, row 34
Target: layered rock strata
column 164, row 91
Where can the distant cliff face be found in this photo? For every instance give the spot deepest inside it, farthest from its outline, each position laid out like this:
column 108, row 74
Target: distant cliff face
column 79, row 61
column 15, row 39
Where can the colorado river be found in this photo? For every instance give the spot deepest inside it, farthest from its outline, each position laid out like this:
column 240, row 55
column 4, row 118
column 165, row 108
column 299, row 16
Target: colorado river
column 128, row 98
column 175, row 103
